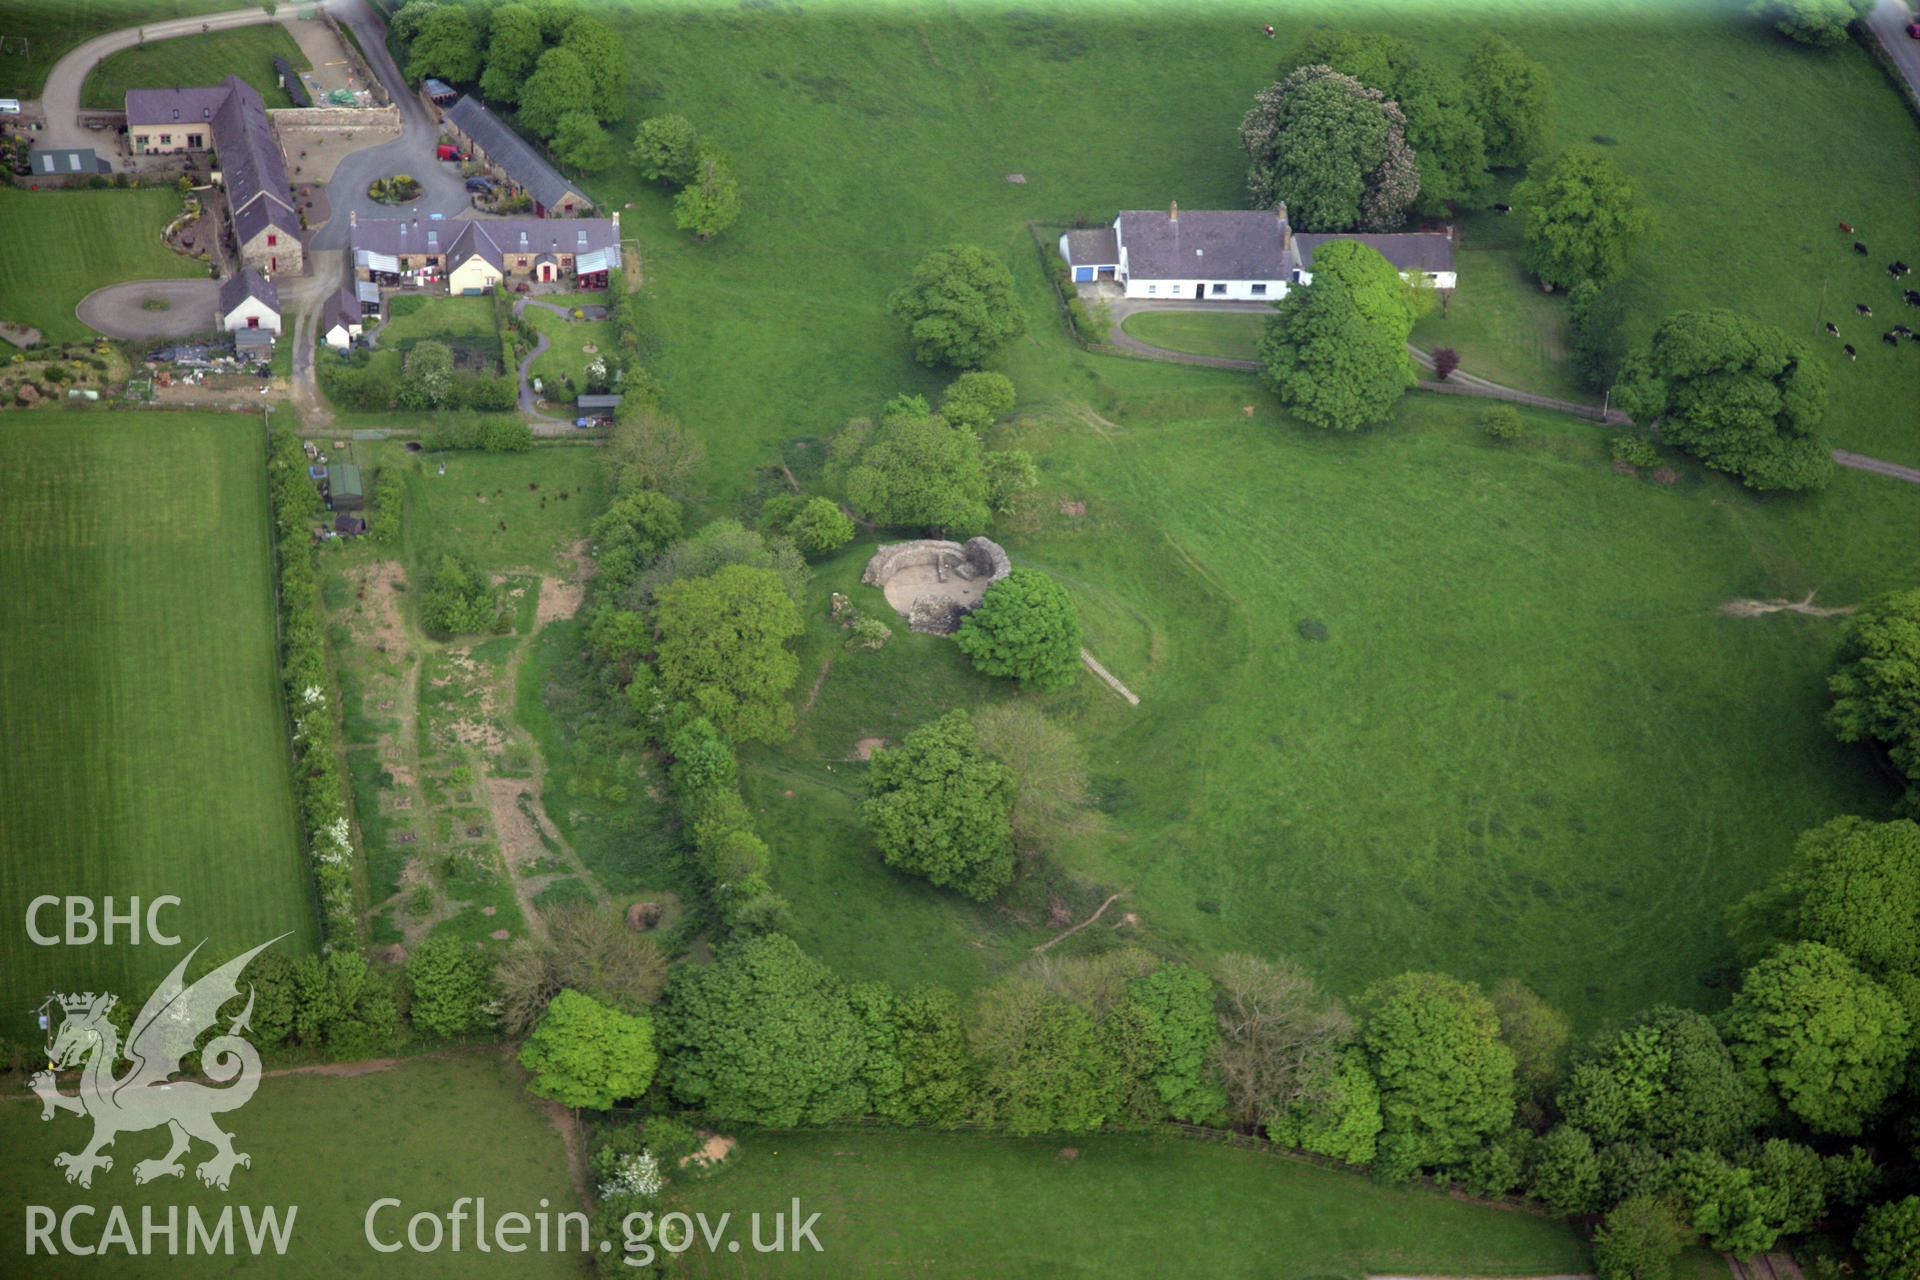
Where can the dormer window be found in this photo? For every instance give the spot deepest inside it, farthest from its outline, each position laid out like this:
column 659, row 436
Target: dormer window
column 176, row 113
column 433, row 239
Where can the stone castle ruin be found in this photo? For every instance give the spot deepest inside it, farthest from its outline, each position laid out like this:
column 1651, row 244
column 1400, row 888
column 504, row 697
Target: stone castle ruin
column 933, row 583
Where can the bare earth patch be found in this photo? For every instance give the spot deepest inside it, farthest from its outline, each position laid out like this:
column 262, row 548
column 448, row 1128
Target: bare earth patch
column 923, row 582
column 864, row 749
column 558, row 600
column 1758, row 608
column 377, row 587
column 716, row 1148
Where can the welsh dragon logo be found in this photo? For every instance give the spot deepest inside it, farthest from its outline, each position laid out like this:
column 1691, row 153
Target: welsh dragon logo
column 146, row 1096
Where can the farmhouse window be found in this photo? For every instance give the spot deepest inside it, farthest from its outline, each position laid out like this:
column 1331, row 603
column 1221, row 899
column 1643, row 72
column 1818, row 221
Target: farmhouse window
column 272, row 240
column 196, row 141
column 1259, row 289
column 1219, row 288
column 166, row 139
column 253, row 322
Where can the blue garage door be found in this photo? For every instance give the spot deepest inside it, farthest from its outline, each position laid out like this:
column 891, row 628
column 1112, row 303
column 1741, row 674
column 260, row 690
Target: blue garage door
column 1082, row 275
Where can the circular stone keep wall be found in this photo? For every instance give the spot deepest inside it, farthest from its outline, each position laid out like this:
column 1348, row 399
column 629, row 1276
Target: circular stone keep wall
column 933, row 583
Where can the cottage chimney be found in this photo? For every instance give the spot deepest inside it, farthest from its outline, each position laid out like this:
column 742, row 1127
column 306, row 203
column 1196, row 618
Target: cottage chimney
column 353, row 217
column 1286, row 230
column 1173, row 212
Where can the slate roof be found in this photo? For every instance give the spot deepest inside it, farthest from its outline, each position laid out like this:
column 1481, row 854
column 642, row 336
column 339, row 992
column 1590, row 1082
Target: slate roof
column 1409, row 251
column 174, row 106
column 511, row 152
column 248, row 284
column 1229, row 244
column 344, row 309
column 69, row 160
column 1240, row 244
column 251, row 166
column 1097, row 247
column 494, row 239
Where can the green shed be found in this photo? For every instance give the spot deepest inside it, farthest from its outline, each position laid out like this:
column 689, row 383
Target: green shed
column 343, row 487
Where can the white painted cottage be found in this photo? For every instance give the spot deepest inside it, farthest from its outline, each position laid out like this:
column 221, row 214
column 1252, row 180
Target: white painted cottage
column 249, row 301
column 1231, row 255
column 343, row 318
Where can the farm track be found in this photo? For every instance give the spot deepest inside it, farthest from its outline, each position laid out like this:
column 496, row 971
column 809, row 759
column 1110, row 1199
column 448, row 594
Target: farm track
column 1459, row 383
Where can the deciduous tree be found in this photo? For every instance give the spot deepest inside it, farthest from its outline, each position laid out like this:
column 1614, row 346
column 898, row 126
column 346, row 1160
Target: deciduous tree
column 710, row 202
column 1025, row 627
column 1511, row 97
column 916, row 470
column 1446, row 1080
column 1638, row 1241
column 452, row 986
column 723, row 648
column 1814, row 22
column 579, row 140
column 1666, row 1080
column 1051, row 800
column 587, row 1054
column 1332, row 150
column 560, row 86
column 1876, row 686
column 1043, row 1065
column 974, row 401
column 649, row 450
column 1888, row 1241
column 1854, row 885
column 937, row 806
column 1580, row 215
column 604, row 56
column 1335, row 351
column 666, row 149
column 1280, row 1038
column 764, row 1035
column 1740, row 396
column 1829, row 1039
column 959, row 307
column 514, row 45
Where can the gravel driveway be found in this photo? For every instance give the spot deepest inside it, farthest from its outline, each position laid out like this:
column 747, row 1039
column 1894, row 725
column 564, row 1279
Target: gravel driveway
column 119, row 311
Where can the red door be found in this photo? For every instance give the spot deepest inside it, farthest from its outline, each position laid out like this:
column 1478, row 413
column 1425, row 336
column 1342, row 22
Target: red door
column 273, row 264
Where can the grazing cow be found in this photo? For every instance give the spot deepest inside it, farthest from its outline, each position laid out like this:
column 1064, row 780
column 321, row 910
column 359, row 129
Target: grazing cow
column 1833, row 328
column 1913, row 297
column 1893, row 270
column 1851, row 353
column 1859, row 248
column 1903, row 330
column 1901, row 268
column 1861, row 308
column 1890, row 338
column 1503, row 208
column 1847, row 227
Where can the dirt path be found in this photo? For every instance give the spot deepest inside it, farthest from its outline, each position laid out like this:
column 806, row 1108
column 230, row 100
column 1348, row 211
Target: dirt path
column 567, row 1124
column 819, row 683
column 1068, row 933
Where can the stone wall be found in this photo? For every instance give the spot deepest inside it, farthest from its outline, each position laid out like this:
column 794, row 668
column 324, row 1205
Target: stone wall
column 977, row 558
column 339, row 118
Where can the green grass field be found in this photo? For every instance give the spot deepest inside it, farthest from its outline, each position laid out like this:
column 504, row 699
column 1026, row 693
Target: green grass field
column 1524, row 667
column 39, row 34
column 1234, row 334
column 69, row 243
column 956, row 1205
column 140, row 700
column 330, row 1146
column 247, row 52
column 1530, row 746
column 1504, row 328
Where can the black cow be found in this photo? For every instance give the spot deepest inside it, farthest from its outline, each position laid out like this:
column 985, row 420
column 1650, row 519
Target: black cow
column 1861, row 308
column 1851, row 353
column 1503, row 208
column 1833, row 328
column 1859, row 248
column 1891, row 338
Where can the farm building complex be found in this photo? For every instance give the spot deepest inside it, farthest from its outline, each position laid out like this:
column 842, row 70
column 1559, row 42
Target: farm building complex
column 513, row 159
column 472, row 256
column 1229, row 255
column 230, row 120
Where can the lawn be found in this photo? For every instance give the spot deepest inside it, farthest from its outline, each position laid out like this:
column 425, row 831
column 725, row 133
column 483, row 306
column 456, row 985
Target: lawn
column 247, row 52
column 329, row 1146
column 1234, row 334
column 140, row 700
column 562, row 367
column 1504, row 328
column 66, row 244
column 502, row 510
column 973, row 1205
column 49, row 31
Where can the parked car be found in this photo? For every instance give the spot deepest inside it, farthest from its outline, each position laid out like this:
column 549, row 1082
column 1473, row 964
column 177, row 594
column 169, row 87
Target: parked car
column 479, row 185
column 1913, row 29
